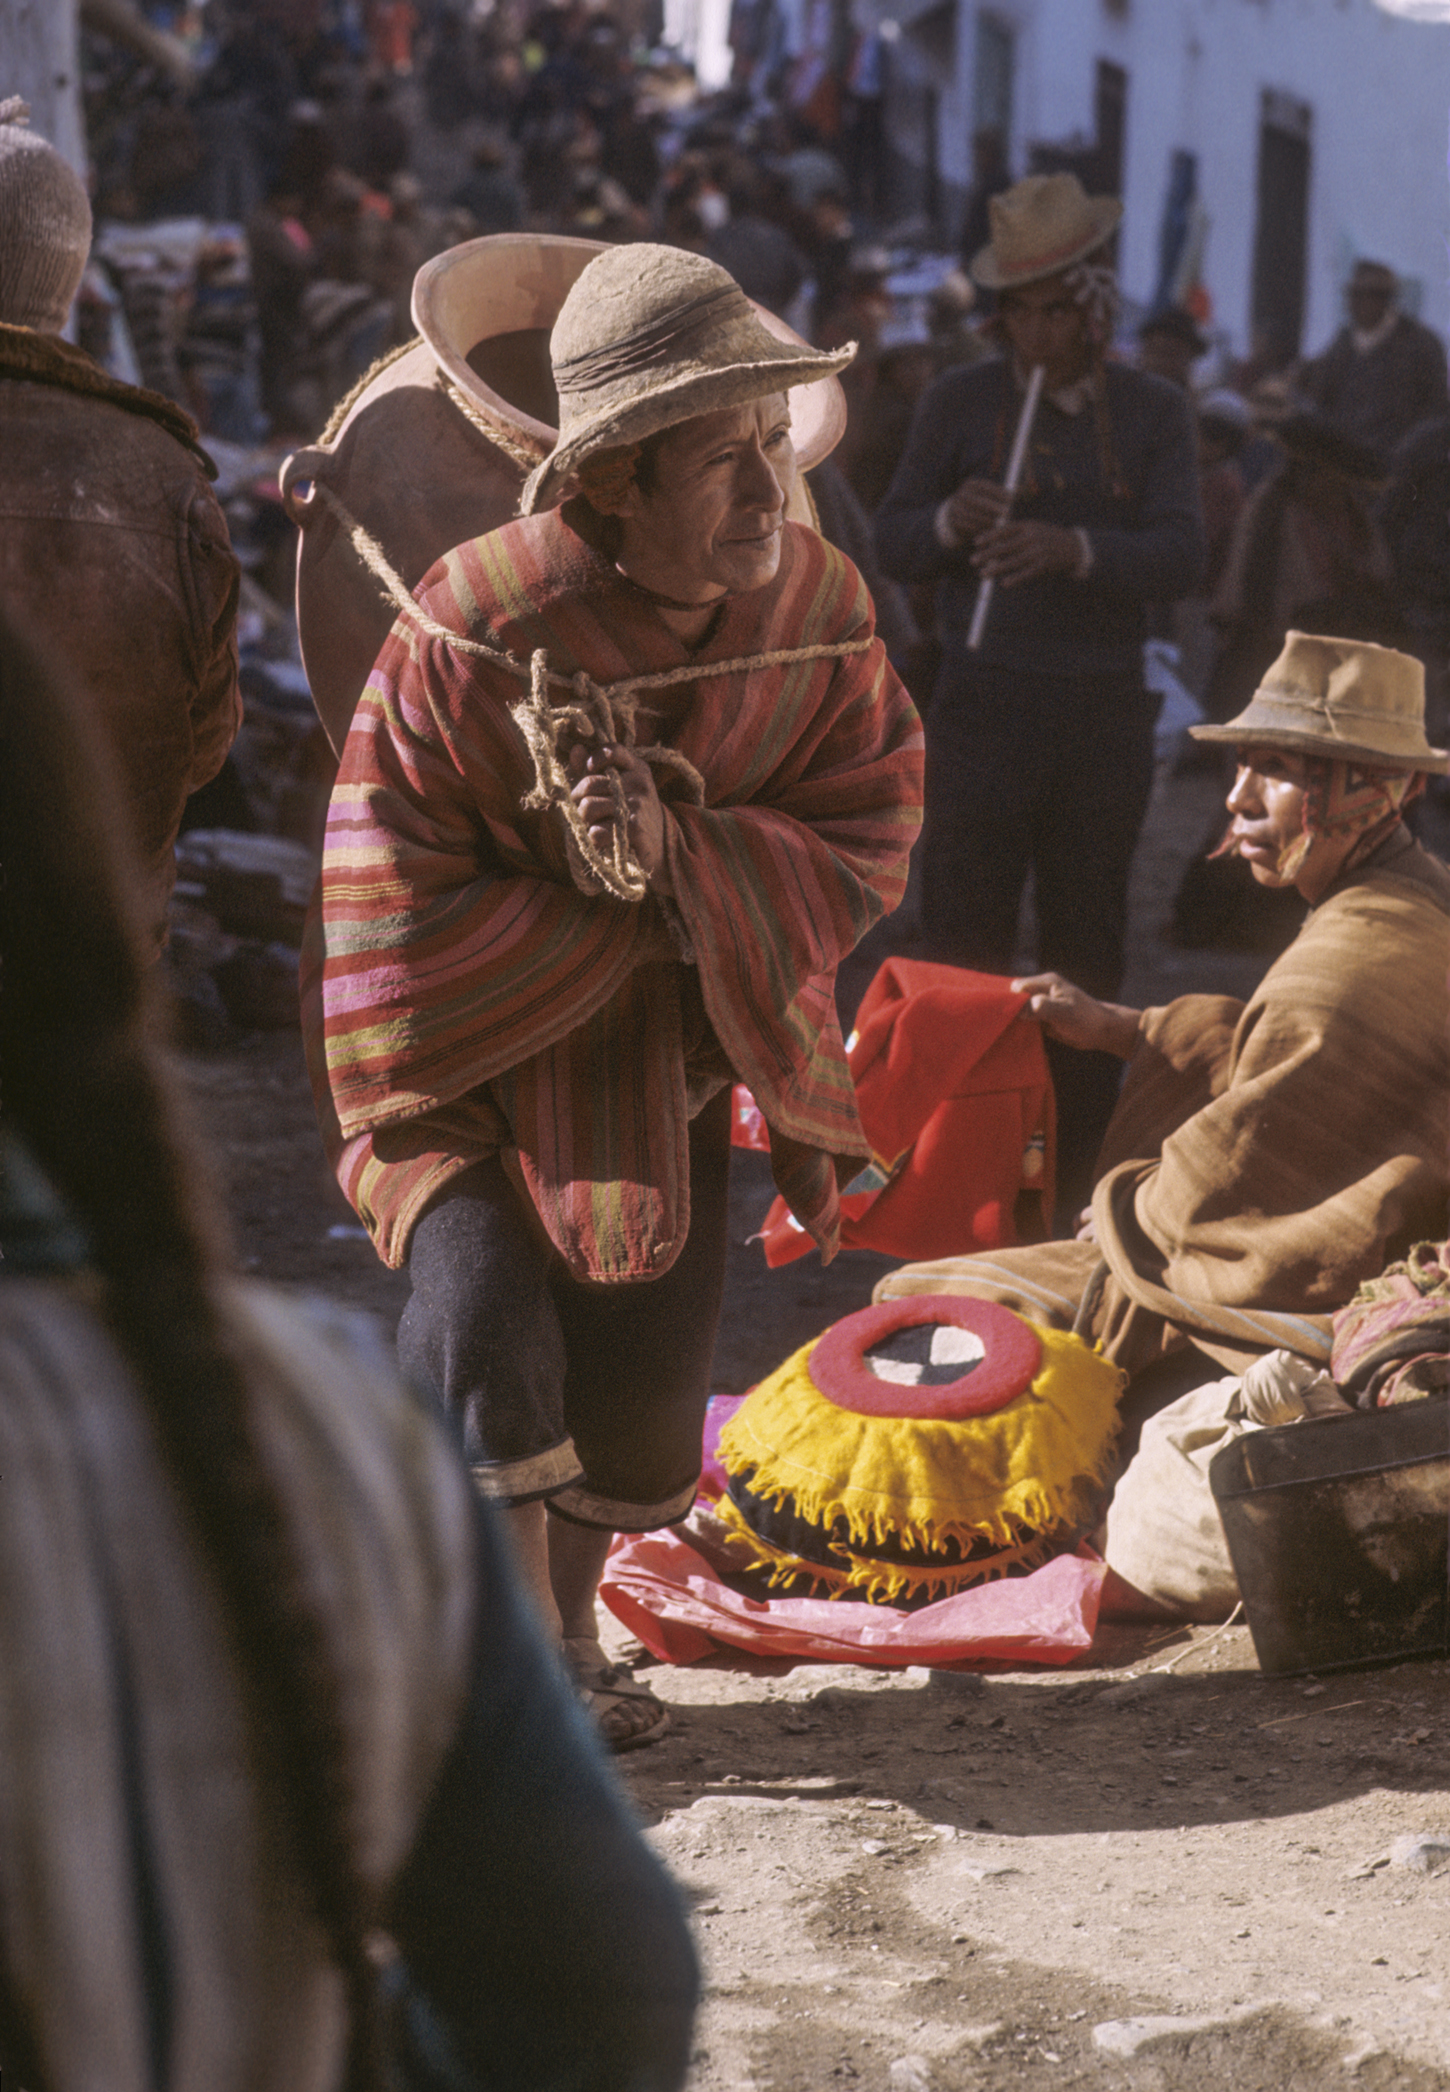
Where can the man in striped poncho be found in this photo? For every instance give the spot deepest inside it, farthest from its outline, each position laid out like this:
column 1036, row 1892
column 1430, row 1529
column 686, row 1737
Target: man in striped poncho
column 619, row 795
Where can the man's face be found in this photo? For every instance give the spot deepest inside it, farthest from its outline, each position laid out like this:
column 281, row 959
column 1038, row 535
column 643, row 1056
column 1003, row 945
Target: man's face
column 1166, row 355
column 711, row 522
column 1045, row 324
column 1369, row 301
column 1267, row 803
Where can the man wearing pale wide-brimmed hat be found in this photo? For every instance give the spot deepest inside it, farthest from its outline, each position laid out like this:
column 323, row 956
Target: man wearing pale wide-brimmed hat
column 1040, row 742
column 621, row 791
column 1266, row 1158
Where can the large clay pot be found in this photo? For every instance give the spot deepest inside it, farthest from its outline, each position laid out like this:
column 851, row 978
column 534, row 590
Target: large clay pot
column 413, row 465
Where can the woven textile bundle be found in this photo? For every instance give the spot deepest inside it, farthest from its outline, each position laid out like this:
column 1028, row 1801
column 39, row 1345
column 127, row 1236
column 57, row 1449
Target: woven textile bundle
column 917, row 1448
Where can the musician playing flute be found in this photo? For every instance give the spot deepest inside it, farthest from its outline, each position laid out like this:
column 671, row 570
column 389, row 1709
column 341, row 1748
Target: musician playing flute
column 1040, row 740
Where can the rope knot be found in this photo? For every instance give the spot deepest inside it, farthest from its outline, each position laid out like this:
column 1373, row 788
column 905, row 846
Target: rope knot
column 608, row 714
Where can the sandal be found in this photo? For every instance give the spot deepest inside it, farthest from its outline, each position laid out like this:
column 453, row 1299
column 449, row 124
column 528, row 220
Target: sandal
column 610, row 1693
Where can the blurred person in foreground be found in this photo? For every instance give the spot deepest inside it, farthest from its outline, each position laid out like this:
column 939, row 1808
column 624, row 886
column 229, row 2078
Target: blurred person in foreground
column 114, row 547
column 1268, row 1157
column 292, row 1793
column 627, row 781
column 1040, row 743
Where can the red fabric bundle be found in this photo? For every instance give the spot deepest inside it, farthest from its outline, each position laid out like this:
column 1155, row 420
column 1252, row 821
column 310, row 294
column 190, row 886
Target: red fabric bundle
column 956, row 1100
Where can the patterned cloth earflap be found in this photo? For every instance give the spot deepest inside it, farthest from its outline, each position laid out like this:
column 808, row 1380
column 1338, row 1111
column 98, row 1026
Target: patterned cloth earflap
column 1094, row 287
column 1342, row 798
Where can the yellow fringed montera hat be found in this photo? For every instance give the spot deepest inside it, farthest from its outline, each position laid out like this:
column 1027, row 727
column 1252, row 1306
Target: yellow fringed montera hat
column 919, row 1447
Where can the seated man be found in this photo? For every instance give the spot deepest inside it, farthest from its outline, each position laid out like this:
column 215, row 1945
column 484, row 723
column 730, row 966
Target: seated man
column 1266, row 1158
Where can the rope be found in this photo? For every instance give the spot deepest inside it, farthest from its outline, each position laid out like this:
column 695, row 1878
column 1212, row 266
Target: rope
column 524, row 454
column 355, row 392
column 602, row 712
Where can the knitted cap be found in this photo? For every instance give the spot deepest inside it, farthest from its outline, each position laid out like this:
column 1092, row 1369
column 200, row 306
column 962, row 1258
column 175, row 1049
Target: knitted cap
column 45, row 226
column 650, row 336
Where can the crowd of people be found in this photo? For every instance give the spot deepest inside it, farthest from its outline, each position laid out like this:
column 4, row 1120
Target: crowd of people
column 631, row 777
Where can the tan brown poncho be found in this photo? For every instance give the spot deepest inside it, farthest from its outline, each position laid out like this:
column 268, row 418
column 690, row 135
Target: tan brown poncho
column 1265, row 1157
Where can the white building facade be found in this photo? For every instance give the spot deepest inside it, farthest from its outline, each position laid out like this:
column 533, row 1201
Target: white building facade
column 1271, row 141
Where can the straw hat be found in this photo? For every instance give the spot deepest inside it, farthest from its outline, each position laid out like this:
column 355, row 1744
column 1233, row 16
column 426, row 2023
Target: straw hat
column 1042, row 225
column 651, row 336
column 1339, row 697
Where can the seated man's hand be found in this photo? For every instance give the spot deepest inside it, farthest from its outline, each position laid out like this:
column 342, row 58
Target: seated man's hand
column 595, row 799
column 1086, row 1229
column 1079, row 1019
column 1026, row 551
column 977, row 507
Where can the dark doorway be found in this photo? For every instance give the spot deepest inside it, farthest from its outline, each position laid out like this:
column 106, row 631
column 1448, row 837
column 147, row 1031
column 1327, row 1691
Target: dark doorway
column 1282, row 229
column 1110, row 122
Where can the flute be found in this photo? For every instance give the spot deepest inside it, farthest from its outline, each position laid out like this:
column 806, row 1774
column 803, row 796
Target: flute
column 1009, row 487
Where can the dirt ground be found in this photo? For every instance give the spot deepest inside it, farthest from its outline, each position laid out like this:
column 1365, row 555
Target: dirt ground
column 1154, row 1869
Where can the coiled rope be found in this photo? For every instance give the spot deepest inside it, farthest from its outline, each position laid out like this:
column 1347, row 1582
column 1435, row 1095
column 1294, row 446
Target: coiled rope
column 604, row 713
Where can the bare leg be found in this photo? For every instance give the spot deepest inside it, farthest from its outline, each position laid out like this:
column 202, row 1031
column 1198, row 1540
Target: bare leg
column 529, row 1543
column 627, row 1714
column 576, row 1562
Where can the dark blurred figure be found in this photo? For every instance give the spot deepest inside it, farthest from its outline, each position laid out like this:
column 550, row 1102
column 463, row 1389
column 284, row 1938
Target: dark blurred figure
column 1415, row 518
column 863, row 129
column 242, row 112
column 758, row 251
column 384, row 142
column 990, row 176
column 1223, row 432
column 1307, row 555
column 904, row 365
column 283, row 263
column 948, row 319
column 448, row 84
column 1383, row 373
column 391, row 27
column 1169, row 344
column 168, row 162
column 489, row 192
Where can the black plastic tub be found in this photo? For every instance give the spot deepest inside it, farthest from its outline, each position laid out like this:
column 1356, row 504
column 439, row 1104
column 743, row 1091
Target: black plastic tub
column 1339, row 1530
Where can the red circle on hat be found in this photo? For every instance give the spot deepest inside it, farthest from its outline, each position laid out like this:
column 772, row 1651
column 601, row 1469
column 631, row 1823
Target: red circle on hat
column 1012, row 1356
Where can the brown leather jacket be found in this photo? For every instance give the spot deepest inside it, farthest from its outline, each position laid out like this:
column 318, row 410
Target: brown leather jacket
column 114, row 557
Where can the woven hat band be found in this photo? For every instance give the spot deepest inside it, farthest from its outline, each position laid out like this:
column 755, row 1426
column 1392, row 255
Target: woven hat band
column 642, row 350
column 1039, row 264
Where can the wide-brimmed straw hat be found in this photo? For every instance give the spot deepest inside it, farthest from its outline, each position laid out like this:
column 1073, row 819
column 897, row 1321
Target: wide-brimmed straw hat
column 1343, row 698
column 651, row 336
column 1042, row 225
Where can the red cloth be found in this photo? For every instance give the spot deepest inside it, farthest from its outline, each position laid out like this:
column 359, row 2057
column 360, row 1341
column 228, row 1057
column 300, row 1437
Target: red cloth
column 667, row 1594
column 951, row 1090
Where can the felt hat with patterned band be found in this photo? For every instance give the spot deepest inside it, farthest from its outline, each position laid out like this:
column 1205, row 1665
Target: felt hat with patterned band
column 917, row 1448
column 651, row 336
column 1040, row 226
column 1343, row 698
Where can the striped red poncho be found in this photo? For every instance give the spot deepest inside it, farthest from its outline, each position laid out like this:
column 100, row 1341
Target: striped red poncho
column 461, row 996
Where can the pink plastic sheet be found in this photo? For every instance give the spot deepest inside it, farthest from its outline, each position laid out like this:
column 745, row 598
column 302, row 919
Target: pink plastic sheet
column 667, row 1594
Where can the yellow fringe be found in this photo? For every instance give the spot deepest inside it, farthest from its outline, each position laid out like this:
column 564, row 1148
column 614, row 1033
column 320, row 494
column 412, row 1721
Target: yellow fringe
column 1033, row 1466
column 882, row 1583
